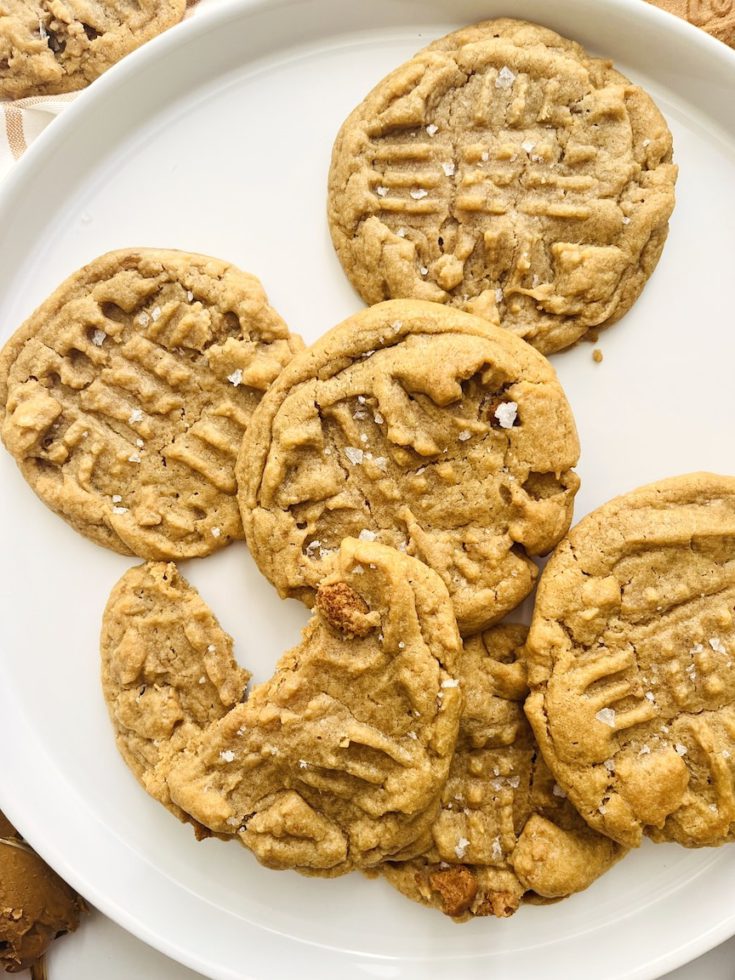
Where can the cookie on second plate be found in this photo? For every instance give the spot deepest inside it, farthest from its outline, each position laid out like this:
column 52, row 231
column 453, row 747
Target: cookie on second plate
column 168, row 670
column 426, row 429
column 124, row 397
column 632, row 663
column 53, row 46
column 505, row 171
column 337, row 762
column 505, row 832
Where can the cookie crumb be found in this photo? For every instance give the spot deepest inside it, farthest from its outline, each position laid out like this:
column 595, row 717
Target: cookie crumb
column 597, row 355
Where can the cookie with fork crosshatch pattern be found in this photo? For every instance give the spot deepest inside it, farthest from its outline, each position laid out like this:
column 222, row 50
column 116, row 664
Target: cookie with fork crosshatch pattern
column 125, row 396
column 426, row 429
column 631, row 660
column 505, row 171
column 506, row 832
column 337, row 762
column 53, row 46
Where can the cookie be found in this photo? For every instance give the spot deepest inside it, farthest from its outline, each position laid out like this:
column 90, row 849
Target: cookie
column 717, row 17
column 505, row 171
column 125, row 396
column 53, row 46
column 505, row 829
column 631, row 663
column 337, row 761
column 167, row 670
column 426, row 429
column 36, row 906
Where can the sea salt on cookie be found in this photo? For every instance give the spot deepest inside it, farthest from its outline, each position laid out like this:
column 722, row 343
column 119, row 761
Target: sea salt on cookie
column 337, row 762
column 125, row 396
column 505, row 831
column 423, row 428
column 505, row 171
column 632, row 663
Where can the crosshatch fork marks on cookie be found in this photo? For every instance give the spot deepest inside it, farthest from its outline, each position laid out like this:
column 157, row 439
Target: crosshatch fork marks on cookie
column 504, row 171
column 126, row 395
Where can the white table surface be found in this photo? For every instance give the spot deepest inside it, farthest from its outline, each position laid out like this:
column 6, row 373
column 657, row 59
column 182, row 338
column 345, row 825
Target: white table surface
column 101, row 950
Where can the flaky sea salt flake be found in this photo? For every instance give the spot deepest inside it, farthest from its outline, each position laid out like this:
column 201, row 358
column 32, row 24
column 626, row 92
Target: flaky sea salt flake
column 680, row 749
column 505, row 78
column 461, row 847
column 366, row 535
column 448, row 168
column 418, row 192
column 506, row 413
column 606, row 716
column 354, row 455
column 227, row 756
column 236, row 377
column 98, row 338
column 432, row 130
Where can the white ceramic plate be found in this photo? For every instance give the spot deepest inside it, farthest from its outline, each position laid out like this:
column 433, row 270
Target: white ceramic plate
column 216, row 138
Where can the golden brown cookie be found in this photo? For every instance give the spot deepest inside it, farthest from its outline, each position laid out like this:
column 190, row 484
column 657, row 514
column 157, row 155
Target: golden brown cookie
column 717, row 17
column 423, row 428
column 36, row 906
column 505, row 829
column 52, row 46
column 337, row 762
column 124, row 398
column 505, row 171
column 631, row 663
column 167, row 670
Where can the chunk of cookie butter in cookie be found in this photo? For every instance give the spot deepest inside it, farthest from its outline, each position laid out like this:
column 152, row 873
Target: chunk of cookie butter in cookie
column 167, row 671
column 632, row 663
column 423, row 428
column 505, row 171
column 52, row 46
column 337, row 762
column 124, row 398
column 505, row 830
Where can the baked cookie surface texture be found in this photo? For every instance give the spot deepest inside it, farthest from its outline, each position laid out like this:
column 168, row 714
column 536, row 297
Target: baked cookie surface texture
column 505, row 830
column 338, row 761
column 168, row 670
column 125, row 396
column 631, row 659
column 426, row 429
column 503, row 170
column 53, row 46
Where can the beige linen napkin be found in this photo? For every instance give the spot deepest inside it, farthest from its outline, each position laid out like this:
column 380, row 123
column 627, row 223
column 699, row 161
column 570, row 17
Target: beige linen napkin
column 25, row 119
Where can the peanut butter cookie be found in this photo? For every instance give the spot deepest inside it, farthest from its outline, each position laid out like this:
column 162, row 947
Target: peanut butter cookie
column 167, row 670
column 505, row 829
column 338, row 761
column 53, row 46
column 505, row 171
column 631, row 663
column 124, row 398
column 426, row 429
